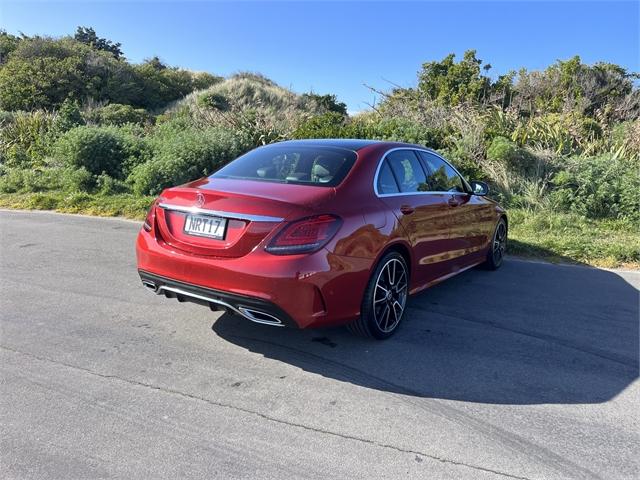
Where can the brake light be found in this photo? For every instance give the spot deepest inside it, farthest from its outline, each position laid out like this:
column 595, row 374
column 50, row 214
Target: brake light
column 148, row 221
column 305, row 236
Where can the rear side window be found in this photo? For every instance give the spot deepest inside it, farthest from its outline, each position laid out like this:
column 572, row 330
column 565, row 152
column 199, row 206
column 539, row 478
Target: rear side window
column 407, row 171
column 301, row 165
column 386, row 181
column 442, row 177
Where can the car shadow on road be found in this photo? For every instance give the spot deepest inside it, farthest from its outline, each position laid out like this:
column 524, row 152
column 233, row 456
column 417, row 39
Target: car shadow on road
column 529, row 333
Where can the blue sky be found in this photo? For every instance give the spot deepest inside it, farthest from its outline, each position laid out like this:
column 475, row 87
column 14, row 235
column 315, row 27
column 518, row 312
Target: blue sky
column 336, row 47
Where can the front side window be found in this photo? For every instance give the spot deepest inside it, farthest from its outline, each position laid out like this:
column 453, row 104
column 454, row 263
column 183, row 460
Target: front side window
column 407, row 171
column 442, row 177
column 301, row 165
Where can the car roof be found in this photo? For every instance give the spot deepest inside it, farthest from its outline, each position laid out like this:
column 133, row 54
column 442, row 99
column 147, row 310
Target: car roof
column 354, row 144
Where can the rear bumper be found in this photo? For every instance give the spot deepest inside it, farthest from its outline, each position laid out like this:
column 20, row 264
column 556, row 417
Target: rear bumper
column 312, row 290
column 254, row 309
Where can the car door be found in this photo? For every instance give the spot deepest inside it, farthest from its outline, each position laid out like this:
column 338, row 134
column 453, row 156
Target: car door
column 402, row 186
column 469, row 217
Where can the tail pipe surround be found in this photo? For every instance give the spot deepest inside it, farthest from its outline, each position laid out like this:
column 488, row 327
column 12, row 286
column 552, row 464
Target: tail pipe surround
column 182, row 295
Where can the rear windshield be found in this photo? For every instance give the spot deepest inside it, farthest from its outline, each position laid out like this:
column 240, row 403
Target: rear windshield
column 301, row 165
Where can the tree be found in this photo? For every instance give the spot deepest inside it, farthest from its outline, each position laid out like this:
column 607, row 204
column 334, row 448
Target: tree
column 42, row 72
column 87, row 35
column 327, row 102
column 44, row 83
column 8, row 43
column 451, row 83
column 572, row 86
column 161, row 84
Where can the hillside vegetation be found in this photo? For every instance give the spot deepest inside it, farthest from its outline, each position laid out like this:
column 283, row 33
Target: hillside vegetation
column 84, row 130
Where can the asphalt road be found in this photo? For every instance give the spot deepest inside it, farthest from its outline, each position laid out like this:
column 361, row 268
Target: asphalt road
column 529, row 372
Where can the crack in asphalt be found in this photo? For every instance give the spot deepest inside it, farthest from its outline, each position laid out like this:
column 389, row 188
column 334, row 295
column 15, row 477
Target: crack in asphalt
column 262, row 415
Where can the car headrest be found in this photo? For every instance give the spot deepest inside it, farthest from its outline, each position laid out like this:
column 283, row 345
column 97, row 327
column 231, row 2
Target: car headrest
column 263, row 171
column 321, row 172
column 325, row 168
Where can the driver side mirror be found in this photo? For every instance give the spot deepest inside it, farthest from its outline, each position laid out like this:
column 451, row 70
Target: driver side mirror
column 479, row 188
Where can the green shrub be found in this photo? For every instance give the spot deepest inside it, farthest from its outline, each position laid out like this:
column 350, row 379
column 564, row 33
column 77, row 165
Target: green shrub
column 173, row 122
column 13, row 180
column 465, row 165
column 159, row 84
column 135, row 145
column 335, row 125
column 41, row 201
column 213, row 100
column 516, row 159
column 183, row 156
column 43, row 72
column 18, row 180
column 202, row 80
column 328, row 103
column 111, row 150
column 96, row 149
column 6, row 117
column 76, row 200
column 107, row 185
column 625, row 139
column 327, row 125
column 599, row 187
column 77, row 179
column 399, row 130
column 69, row 116
column 118, row 114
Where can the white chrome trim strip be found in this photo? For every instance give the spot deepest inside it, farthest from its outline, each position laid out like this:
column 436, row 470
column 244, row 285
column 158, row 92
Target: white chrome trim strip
column 220, row 213
column 402, row 194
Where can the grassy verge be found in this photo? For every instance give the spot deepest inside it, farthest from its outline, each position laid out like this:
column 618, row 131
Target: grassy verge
column 551, row 236
column 123, row 205
column 567, row 238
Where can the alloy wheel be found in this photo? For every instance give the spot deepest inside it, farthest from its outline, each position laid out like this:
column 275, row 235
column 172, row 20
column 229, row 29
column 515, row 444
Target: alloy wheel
column 390, row 296
column 499, row 243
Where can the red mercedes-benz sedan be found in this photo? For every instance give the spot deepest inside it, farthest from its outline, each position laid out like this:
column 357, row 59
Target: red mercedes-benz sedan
column 312, row 233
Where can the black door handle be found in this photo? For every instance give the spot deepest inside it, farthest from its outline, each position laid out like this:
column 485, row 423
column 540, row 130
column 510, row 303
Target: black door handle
column 407, row 209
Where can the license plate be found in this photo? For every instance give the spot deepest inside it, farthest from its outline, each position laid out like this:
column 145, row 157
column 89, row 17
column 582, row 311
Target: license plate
column 205, row 226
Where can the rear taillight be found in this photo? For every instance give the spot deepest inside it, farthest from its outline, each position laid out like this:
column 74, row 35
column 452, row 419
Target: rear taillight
column 305, row 236
column 148, row 221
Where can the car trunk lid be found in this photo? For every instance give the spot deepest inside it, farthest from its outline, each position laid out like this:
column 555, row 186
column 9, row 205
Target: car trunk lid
column 249, row 211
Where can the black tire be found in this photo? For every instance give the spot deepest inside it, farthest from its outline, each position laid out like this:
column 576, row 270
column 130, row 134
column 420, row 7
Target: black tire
column 385, row 299
column 497, row 250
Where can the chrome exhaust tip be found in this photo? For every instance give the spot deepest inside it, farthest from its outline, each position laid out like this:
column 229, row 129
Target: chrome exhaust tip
column 260, row 317
column 150, row 285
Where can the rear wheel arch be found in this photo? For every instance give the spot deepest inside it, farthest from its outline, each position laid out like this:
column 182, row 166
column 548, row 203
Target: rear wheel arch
column 503, row 216
column 400, row 248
